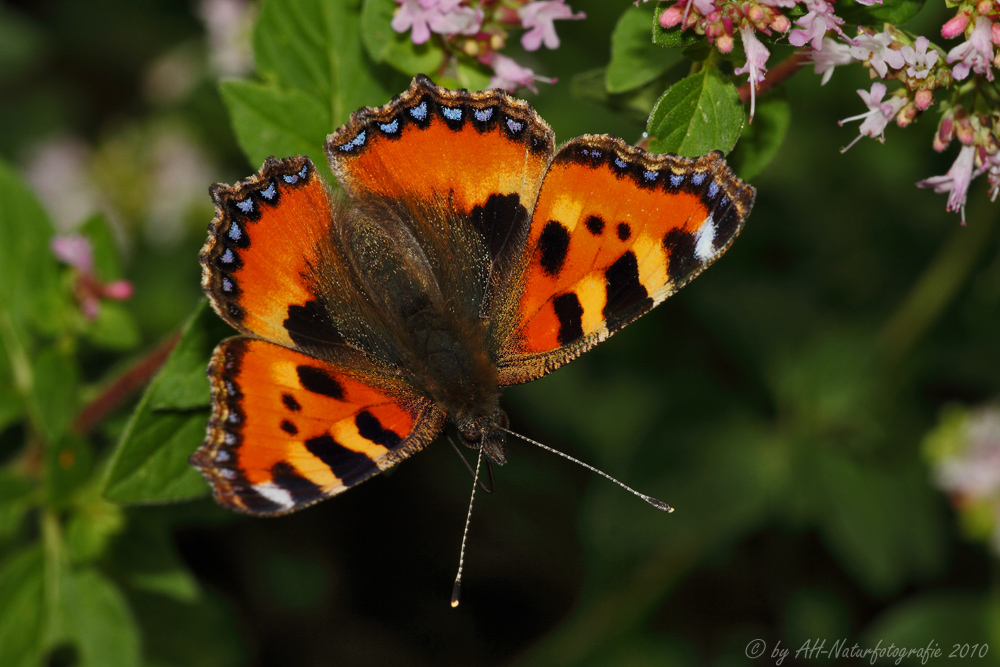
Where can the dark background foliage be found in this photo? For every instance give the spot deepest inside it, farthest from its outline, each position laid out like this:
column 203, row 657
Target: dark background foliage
column 780, row 402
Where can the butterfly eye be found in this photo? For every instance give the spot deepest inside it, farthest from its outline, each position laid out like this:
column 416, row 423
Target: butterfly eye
column 472, row 435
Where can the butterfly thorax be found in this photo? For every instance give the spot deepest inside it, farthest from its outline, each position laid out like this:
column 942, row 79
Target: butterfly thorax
column 418, row 305
column 452, row 363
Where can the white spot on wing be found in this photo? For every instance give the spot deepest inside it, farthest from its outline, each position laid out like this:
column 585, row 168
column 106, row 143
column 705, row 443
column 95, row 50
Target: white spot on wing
column 704, row 240
column 275, row 494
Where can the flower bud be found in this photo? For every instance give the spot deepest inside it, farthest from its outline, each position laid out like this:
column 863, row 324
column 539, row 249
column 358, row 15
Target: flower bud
column 671, row 17
column 724, row 43
column 923, row 99
column 945, row 132
column 955, row 26
column 781, row 23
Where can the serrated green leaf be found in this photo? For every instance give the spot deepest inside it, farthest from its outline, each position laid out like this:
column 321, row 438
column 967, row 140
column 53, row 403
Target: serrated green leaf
column 182, row 383
column 269, row 121
column 314, row 47
column 762, row 138
column 696, row 115
column 150, row 463
column 22, row 611
column 635, row 58
column 672, row 37
column 386, row 45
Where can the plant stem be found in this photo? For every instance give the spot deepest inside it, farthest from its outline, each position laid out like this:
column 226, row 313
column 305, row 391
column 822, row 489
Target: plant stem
column 124, row 386
column 777, row 74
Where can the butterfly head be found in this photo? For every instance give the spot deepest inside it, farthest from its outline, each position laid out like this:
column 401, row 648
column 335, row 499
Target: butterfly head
column 485, row 432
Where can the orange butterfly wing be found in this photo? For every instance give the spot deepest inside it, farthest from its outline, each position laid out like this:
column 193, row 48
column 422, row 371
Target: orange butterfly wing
column 615, row 231
column 439, row 145
column 288, row 430
column 268, row 235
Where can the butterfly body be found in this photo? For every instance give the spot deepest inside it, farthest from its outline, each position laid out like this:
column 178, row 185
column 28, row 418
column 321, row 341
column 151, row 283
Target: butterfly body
column 466, row 254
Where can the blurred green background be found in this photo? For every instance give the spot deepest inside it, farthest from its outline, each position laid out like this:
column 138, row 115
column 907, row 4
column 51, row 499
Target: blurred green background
column 797, row 403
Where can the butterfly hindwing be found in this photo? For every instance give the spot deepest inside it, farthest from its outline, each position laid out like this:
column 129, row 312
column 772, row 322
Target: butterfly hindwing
column 288, row 430
column 267, row 237
column 615, row 231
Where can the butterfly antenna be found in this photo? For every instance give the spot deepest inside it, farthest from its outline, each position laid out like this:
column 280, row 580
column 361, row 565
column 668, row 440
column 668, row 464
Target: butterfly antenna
column 472, row 473
column 658, row 504
column 456, row 590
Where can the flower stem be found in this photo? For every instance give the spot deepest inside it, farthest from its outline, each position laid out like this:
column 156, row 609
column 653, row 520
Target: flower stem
column 777, row 74
column 124, row 386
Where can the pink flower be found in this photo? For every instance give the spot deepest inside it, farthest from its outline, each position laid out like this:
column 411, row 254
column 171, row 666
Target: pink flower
column 813, row 26
column 956, row 181
column 920, row 61
column 510, row 76
column 755, row 67
column 869, row 3
column 878, row 115
column 77, row 252
column 877, row 50
column 538, row 18
column 444, row 17
column 833, row 54
column 976, row 54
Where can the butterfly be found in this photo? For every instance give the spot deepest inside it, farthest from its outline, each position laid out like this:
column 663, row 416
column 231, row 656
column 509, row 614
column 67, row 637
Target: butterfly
column 465, row 253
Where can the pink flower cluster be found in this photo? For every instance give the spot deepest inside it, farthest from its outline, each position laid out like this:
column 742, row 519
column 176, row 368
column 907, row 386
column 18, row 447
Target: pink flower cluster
column 915, row 62
column 479, row 28
column 76, row 251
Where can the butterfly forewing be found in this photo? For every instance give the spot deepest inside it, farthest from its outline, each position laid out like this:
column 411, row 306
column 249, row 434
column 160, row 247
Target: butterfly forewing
column 615, row 231
column 268, row 235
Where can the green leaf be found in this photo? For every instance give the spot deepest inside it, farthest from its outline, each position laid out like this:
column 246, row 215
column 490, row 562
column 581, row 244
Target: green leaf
column 672, row 37
column 315, row 73
column 472, row 76
column 150, row 463
column 269, row 121
column 22, row 611
column 16, row 495
column 635, row 104
column 92, row 526
column 146, row 556
column 896, row 12
column 635, row 58
column 29, row 276
column 696, row 115
column 114, row 328
column 762, row 138
column 98, row 621
column 67, row 465
column 54, row 390
column 397, row 49
column 182, row 383
column 107, row 263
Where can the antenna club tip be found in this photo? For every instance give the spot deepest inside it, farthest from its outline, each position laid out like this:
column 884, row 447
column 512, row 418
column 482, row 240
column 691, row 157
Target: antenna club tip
column 660, row 505
column 456, row 593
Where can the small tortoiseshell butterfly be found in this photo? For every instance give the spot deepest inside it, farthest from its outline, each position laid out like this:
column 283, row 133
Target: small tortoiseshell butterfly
column 469, row 254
